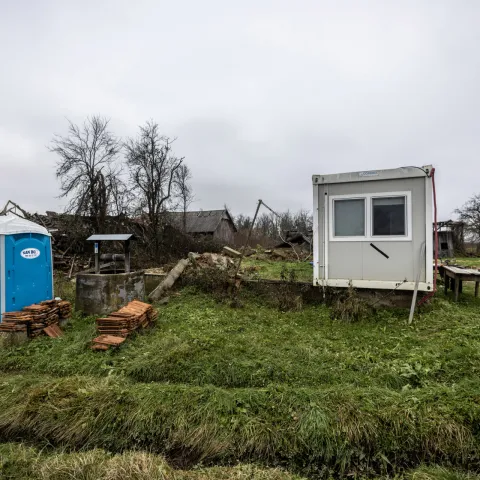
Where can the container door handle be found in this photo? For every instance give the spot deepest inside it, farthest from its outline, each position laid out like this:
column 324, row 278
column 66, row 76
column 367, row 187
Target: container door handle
column 379, row 251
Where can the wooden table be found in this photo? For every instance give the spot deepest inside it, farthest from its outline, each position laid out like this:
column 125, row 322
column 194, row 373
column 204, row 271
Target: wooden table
column 455, row 276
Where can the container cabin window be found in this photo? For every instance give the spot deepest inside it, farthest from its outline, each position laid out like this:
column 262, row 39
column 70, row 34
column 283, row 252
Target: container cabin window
column 389, row 216
column 349, row 217
column 382, row 216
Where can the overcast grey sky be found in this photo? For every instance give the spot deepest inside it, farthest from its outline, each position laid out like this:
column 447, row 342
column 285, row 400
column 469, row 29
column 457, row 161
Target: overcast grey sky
column 260, row 93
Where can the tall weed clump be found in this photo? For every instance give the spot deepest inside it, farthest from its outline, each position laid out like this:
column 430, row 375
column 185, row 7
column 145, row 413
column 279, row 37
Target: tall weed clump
column 209, row 279
column 18, row 462
column 349, row 307
column 287, row 297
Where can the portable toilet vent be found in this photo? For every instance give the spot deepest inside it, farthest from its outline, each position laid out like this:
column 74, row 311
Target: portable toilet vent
column 26, row 273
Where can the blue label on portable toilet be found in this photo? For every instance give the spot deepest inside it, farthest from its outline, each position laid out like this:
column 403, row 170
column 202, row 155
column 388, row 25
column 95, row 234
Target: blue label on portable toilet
column 96, row 247
column 30, row 253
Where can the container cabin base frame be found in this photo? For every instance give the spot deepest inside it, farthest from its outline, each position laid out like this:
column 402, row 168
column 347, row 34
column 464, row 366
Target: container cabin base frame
column 375, row 285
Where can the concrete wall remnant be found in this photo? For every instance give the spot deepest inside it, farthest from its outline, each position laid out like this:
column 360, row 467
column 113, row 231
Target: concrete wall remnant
column 105, row 293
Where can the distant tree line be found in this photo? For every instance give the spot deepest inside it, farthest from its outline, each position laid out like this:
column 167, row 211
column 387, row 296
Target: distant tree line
column 270, row 229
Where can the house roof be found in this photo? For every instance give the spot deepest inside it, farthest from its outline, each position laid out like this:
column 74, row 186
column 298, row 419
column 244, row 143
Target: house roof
column 204, row 221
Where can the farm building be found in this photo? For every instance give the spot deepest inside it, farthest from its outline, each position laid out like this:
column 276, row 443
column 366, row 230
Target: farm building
column 373, row 229
column 217, row 224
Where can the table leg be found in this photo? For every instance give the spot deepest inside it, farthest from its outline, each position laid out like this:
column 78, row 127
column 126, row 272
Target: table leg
column 457, row 288
column 445, row 281
column 476, row 288
column 461, row 286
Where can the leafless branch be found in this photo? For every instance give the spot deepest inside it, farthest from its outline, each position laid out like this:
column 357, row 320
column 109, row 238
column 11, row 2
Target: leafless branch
column 87, row 168
column 183, row 190
column 152, row 168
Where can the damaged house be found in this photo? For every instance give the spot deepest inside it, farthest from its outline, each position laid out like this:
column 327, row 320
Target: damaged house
column 297, row 239
column 450, row 238
column 217, row 224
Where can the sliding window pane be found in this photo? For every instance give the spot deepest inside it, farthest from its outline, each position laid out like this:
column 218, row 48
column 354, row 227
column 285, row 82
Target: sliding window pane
column 349, row 217
column 389, row 216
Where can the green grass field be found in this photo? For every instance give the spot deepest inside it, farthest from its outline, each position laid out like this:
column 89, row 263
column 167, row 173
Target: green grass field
column 210, row 387
column 272, row 269
column 473, row 262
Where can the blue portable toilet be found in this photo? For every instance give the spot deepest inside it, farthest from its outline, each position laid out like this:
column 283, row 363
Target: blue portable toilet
column 26, row 273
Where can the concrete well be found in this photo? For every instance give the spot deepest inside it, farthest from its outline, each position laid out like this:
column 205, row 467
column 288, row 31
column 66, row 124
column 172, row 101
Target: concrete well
column 99, row 294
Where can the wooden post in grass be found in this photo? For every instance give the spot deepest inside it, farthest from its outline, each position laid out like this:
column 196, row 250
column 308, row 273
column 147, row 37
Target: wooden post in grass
column 127, row 256
column 169, row 280
column 96, row 248
column 457, row 288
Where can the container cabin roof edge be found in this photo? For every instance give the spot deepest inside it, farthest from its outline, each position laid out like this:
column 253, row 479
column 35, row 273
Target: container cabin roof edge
column 372, row 175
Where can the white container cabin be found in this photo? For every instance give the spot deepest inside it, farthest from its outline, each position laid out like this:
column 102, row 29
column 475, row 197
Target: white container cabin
column 373, row 229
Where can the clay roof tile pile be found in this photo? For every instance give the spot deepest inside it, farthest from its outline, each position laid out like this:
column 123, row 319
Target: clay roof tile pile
column 35, row 318
column 120, row 324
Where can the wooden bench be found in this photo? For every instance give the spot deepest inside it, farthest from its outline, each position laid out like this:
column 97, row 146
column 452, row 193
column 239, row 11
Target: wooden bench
column 455, row 276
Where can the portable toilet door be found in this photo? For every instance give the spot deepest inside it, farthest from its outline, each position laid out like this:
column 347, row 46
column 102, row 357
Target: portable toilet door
column 26, row 273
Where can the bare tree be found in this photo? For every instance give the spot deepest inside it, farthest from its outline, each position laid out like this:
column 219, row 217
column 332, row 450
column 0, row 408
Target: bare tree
column 183, row 189
column 87, row 168
column 470, row 215
column 270, row 228
column 265, row 225
column 121, row 198
column 243, row 222
column 152, row 168
column 303, row 221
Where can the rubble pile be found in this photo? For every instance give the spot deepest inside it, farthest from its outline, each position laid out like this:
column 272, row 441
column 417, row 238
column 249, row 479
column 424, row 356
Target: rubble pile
column 208, row 260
